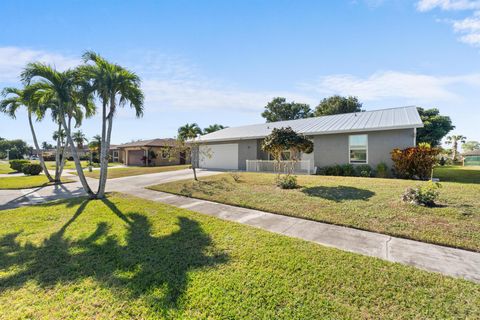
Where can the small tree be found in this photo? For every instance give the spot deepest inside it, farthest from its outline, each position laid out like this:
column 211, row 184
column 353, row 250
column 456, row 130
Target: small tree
column 198, row 152
column 284, row 139
column 454, row 140
column 415, row 162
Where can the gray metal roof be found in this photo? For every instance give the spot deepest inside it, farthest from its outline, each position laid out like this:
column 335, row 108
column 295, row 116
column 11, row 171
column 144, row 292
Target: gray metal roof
column 384, row 119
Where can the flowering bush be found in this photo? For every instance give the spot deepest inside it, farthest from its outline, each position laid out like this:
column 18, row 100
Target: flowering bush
column 415, row 162
column 423, row 195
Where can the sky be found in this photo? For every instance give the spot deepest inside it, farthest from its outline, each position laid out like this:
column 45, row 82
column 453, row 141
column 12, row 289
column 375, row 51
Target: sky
column 222, row 61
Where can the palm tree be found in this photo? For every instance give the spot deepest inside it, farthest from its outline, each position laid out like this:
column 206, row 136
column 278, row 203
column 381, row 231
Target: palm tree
column 79, row 138
column 59, row 135
column 454, row 140
column 115, row 86
column 14, row 99
column 60, row 93
column 212, row 128
column 189, row 131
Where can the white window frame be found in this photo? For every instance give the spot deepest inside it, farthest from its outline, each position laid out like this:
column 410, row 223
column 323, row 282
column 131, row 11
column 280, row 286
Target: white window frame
column 350, row 149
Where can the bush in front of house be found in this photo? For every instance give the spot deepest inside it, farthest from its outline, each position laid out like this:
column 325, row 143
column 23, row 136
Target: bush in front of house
column 382, row 170
column 414, row 162
column 348, row 170
column 287, row 182
column 423, row 195
column 32, row 169
column 18, row 164
column 363, row 170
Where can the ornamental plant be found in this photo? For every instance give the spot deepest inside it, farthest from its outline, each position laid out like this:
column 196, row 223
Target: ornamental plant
column 415, row 162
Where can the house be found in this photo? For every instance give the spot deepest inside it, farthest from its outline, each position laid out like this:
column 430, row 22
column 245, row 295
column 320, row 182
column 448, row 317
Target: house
column 471, row 158
column 154, row 152
column 356, row 138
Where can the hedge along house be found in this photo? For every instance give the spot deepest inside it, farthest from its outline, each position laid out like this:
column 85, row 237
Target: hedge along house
column 155, row 152
column 471, row 158
column 356, row 138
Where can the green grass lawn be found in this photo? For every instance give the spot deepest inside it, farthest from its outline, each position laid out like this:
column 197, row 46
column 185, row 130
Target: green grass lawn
column 365, row 203
column 458, row 174
column 5, row 168
column 125, row 258
column 24, row 182
column 134, row 171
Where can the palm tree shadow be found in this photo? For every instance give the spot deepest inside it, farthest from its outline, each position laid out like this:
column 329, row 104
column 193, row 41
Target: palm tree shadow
column 140, row 265
column 339, row 193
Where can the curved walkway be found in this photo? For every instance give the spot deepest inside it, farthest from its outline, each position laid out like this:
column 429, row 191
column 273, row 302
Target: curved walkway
column 445, row 260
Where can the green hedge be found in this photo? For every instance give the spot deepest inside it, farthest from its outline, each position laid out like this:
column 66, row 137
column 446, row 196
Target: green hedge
column 32, row 169
column 17, row 165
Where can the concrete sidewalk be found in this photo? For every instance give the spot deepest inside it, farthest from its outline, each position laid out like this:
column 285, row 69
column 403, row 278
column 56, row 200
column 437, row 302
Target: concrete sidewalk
column 445, row 260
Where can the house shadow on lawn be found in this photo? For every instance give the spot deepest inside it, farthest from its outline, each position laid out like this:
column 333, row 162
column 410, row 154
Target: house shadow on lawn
column 142, row 265
column 339, row 193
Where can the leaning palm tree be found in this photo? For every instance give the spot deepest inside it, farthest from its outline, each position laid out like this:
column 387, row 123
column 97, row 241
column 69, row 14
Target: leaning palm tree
column 454, row 140
column 189, row 131
column 60, row 89
column 212, row 128
column 79, row 138
column 115, row 87
column 14, row 99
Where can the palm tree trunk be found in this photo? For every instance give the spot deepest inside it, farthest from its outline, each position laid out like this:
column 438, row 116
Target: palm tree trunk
column 57, row 153
column 454, row 151
column 35, row 142
column 100, row 194
column 63, row 160
column 78, row 165
column 104, row 161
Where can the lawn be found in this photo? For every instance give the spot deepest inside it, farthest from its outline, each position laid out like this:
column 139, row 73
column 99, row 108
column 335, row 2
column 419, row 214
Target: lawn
column 25, row 182
column 125, row 258
column 365, row 203
column 134, row 171
column 71, row 164
column 458, row 174
column 5, row 168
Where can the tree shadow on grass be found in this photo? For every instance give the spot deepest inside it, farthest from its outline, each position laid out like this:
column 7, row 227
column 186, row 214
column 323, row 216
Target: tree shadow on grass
column 339, row 193
column 146, row 265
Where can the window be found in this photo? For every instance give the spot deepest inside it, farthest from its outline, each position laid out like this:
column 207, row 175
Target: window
column 358, row 148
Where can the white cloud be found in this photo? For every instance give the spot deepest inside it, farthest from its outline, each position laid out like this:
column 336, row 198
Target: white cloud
column 469, row 27
column 14, row 59
column 409, row 87
column 447, row 5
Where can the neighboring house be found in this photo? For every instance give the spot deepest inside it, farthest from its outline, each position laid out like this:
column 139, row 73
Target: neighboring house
column 471, row 158
column 356, row 138
column 155, row 152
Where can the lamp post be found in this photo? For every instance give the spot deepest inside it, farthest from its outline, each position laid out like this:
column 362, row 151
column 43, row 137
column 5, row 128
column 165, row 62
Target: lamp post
column 8, row 154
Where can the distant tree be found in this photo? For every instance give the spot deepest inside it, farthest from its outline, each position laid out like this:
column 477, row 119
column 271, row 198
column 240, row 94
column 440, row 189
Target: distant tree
column 46, row 145
column 18, row 148
column 471, row 146
column 279, row 110
column 59, row 135
column 189, row 131
column 79, row 138
column 435, row 127
column 454, row 140
column 212, row 128
column 337, row 105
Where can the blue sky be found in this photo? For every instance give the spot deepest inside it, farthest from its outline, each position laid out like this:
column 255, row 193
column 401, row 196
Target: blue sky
column 222, row 61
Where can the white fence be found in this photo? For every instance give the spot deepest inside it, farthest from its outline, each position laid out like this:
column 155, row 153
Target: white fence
column 302, row 166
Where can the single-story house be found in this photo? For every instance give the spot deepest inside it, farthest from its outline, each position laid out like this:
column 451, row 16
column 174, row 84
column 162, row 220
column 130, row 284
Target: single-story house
column 154, row 152
column 356, row 138
column 471, row 158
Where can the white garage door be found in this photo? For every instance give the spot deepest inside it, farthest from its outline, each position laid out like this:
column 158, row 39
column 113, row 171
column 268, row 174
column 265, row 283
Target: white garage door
column 222, row 156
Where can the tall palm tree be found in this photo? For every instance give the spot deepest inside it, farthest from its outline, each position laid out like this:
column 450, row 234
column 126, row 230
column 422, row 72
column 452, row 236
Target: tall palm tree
column 14, row 99
column 79, row 138
column 115, row 87
column 189, row 131
column 454, row 140
column 59, row 135
column 61, row 90
column 212, row 128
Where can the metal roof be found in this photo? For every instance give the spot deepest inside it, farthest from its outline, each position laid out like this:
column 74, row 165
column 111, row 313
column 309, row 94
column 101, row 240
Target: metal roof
column 375, row 120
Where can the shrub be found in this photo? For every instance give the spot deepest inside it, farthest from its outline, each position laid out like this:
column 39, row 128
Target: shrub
column 442, row 161
column 287, row 182
column 381, row 170
column 423, row 195
column 364, row 170
column 235, row 176
column 32, row 169
column 348, row 170
column 415, row 162
column 18, row 164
